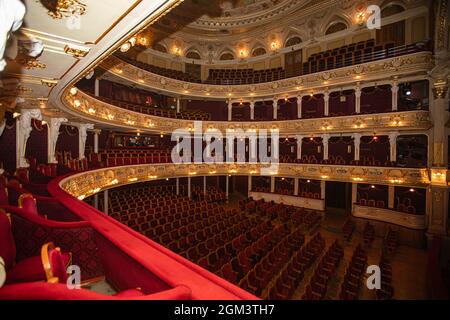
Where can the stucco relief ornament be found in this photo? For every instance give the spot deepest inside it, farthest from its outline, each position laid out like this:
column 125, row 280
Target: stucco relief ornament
column 11, row 17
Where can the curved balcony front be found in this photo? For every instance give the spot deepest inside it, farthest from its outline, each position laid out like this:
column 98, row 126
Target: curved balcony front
column 399, row 66
column 98, row 111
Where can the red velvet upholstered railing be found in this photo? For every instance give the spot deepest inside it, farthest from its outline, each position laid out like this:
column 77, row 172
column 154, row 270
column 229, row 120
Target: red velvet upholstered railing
column 141, row 259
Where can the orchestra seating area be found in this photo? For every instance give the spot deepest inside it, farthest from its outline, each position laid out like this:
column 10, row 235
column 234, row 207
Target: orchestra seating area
column 240, row 246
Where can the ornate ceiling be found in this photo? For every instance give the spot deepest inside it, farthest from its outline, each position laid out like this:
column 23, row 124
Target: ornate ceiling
column 74, row 36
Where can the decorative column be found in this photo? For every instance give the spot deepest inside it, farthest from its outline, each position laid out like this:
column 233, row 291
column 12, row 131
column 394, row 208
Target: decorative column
column 52, row 136
column 354, row 194
column 391, row 196
column 394, row 89
column 358, row 98
column 326, row 97
column 23, row 130
column 250, row 180
column 252, row 110
column 178, row 186
column 295, row 186
column 204, row 184
column 439, row 191
column 189, row 187
column 82, row 136
column 97, row 87
column 439, row 115
column 438, row 202
column 96, row 201
column 2, row 126
column 178, row 104
column 393, row 146
column 299, row 106
column 230, row 110
column 105, row 202
column 322, row 189
column 275, row 108
column 227, row 186
column 299, row 146
column 272, row 184
column 325, row 139
column 96, row 134
column 356, row 142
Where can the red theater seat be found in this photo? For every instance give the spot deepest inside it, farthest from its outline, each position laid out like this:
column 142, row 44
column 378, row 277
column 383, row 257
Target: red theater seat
column 26, row 270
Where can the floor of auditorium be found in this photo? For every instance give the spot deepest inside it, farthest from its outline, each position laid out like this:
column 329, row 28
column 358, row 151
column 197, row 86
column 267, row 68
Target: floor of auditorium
column 408, row 264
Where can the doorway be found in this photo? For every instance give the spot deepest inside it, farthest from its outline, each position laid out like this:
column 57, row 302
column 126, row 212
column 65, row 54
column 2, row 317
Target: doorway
column 338, row 197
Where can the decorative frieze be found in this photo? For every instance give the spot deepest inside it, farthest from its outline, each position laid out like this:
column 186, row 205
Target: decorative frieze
column 88, row 183
column 407, row 220
column 376, row 70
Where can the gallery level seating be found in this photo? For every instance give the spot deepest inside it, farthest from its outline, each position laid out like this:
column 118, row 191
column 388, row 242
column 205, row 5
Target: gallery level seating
column 169, row 73
column 344, row 56
column 158, row 112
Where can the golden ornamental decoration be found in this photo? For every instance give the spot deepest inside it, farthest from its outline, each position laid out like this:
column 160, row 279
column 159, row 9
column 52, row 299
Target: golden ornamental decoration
column 58, row 9
column 31, row 63
column 76, row 52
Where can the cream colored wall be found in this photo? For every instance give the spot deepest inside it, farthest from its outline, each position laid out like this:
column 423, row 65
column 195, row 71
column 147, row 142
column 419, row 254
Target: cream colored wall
column 418, row 29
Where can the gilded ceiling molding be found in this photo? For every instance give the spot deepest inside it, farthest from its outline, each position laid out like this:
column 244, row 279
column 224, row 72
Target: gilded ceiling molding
column 77, row 52
column 88, row 183
column 376, row 70
column 63, row 8
column 49, row 83
column 96, row 110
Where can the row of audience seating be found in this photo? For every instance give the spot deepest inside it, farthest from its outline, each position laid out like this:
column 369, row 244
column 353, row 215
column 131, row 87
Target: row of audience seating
column 169, row 73
column 317, row 287
column 353, row 279
column 158, row 112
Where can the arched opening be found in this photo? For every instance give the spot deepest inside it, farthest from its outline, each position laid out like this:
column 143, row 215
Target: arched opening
column 259, row 52
column 391, row 9
column 159, row 47
column 293, row 41
column 336, row 27
column 227, row 56
column 193, row 55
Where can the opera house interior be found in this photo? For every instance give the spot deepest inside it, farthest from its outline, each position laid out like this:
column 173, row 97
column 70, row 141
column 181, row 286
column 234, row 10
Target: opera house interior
column 224, row 150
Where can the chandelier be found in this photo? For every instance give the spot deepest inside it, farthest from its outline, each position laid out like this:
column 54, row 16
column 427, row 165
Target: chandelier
column 59, row 9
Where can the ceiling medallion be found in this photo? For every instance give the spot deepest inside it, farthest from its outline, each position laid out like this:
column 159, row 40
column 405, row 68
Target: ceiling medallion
column 63, row 8
column 32, row 63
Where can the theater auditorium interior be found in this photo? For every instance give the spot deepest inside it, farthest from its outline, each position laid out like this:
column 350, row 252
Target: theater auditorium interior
column 224, row 150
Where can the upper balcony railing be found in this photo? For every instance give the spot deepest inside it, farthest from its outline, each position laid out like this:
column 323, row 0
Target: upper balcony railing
column 396, row 62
